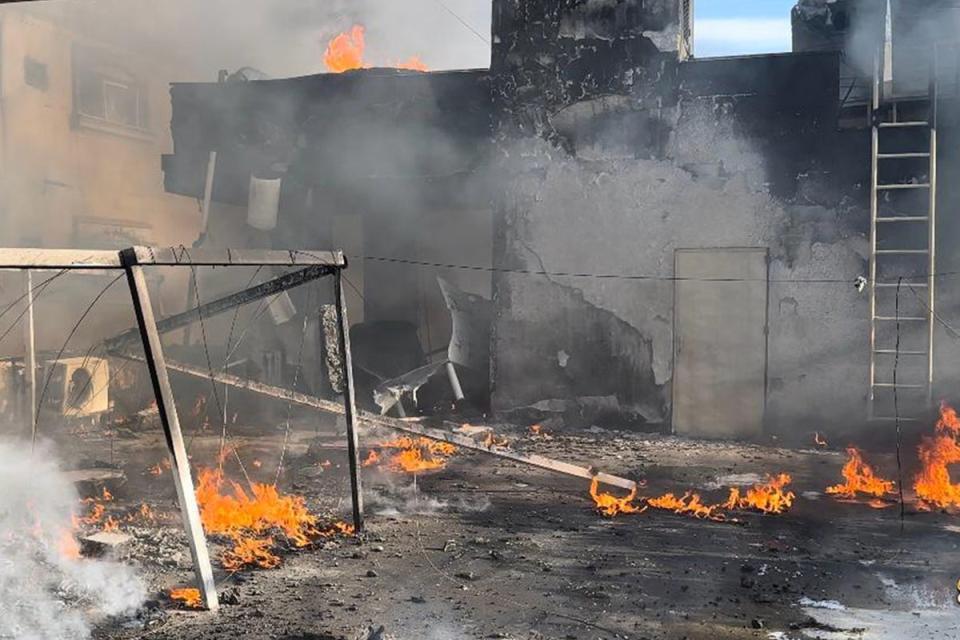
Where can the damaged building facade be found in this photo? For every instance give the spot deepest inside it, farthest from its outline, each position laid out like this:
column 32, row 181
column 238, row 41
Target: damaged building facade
column 666, row 242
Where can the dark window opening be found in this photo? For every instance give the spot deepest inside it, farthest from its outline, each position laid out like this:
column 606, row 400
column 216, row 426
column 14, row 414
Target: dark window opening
column 107, row 94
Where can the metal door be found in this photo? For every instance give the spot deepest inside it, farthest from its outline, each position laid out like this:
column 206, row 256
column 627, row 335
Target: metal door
column 720, row 342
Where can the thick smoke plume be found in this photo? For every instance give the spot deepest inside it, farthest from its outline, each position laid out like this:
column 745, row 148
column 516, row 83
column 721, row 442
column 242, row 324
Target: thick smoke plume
column 46, row 589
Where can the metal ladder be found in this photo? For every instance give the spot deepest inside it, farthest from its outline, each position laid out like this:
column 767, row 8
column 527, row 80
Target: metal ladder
column 909, row 288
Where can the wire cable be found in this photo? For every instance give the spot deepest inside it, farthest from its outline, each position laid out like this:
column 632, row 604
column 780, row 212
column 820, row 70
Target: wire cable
column 73, row 330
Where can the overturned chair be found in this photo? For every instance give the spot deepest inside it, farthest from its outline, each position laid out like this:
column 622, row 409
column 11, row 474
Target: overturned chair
column 469, row 349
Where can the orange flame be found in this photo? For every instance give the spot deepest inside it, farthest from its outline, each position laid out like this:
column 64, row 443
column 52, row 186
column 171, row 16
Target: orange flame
column 819, row 440
column 536, row 429
column 859, row 477
column 345, row 52
column 68, row 547
column 413, row 63
column 372, row 458
column 610, row 505
column 187, row 597
column 160, row 467
column 937, row 452
column 492, row 440
column 768, row 498
column 250, row 519
column 413, row 455
column 689, row 504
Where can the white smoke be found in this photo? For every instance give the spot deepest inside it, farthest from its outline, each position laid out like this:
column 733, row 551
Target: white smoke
column 46, row 589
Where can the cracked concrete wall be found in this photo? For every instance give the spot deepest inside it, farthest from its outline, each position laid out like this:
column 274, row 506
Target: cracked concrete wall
column 689, row 156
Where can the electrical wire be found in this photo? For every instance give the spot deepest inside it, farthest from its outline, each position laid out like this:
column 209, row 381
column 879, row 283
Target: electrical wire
column 73, row 330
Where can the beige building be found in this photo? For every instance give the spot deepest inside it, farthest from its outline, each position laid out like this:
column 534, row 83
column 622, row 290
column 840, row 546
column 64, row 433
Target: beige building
column 84, row 120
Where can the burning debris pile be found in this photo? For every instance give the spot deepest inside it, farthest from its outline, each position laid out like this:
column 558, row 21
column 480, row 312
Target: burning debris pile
column 257, row 522
column 47, row 590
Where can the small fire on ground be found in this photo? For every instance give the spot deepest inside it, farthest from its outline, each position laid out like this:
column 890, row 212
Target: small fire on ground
column 860, row 479
column 411, row 455
column 257, row 521
column 187, row 597
column 932, row 484
column 769, row 497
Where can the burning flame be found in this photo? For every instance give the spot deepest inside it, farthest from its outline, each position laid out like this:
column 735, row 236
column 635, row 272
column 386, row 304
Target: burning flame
column 493, row 440
column 413, row 63
column 412, row 455
column 536, row 429
column 251, row 519
column 937, row 452
column 372, row 458
column 610, row 505
column 768, row 498
column 345, row 52
column 819, row 440
column 160, row 467
column 68, row 547
column 689, row 504
column 859, row 477
column 187, row 597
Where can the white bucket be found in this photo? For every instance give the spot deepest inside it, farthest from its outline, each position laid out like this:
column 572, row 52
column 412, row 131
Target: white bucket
column 264, row 203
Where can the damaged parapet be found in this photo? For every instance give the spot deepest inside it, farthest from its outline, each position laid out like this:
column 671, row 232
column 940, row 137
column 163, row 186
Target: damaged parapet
column 548, row 55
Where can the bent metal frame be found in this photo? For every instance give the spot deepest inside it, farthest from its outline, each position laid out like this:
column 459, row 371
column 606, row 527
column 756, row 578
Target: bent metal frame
column 132, row 261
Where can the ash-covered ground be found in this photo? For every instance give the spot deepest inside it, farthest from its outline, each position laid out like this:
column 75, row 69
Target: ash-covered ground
column 485, row 548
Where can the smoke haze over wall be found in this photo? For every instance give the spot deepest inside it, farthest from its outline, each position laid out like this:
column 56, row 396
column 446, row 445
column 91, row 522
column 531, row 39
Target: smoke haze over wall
column 288, row 37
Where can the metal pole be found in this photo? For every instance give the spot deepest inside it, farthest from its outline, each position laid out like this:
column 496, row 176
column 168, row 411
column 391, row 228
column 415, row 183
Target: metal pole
column 153, row 352
column 204, row 223
column 349, row 402
column 30, row 360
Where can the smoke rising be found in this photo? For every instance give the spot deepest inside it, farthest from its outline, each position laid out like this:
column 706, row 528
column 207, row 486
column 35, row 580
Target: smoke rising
column 46, row 589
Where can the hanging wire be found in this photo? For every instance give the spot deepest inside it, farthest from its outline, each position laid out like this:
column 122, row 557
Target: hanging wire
column 896, row 405
column 296, row 380
column 73, row 330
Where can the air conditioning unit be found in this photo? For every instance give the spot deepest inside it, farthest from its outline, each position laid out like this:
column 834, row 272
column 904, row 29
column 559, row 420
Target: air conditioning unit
column 77, row 388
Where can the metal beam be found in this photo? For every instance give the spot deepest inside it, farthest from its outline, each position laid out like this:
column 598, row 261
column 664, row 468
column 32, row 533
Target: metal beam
column 349, row 403
column 153, row 351
column 184, row 256
column 51, row 259
column 220, row 305
column 408, row 425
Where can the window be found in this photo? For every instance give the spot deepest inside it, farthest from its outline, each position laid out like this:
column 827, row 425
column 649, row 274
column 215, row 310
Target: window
column 35, row 74
column 106, row 96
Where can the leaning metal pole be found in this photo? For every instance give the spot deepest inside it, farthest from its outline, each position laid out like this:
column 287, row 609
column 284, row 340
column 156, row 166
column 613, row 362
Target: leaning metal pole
column 349, row 402
column 153, row 352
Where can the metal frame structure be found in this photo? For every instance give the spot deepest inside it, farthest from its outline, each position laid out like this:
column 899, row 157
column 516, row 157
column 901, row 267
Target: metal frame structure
column 132, row 261
column 879, row 124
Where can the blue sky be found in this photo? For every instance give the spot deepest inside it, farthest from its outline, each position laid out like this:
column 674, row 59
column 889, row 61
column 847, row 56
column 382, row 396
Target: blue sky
column 736, row 27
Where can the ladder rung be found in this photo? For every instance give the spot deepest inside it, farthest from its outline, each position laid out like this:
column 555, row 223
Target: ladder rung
column 900, row 319
column 898, row 125
column 894, row 352
column 890, row 385
column 900, row 156
column 906, row 185
column 894, row 285
column 903, row 219
column 903, row 252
